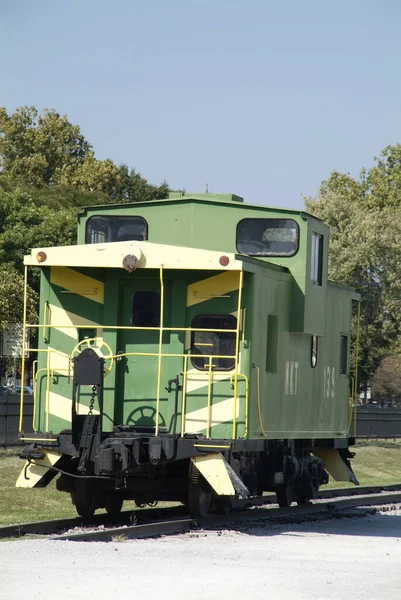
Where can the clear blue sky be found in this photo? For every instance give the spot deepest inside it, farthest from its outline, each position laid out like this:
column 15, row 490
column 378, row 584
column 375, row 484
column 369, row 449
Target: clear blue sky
column 260, row 98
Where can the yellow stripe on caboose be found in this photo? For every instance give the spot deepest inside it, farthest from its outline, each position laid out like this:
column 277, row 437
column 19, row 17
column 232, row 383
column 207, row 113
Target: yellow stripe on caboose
column 217, row 286
column 61, row 407
column 60, row 317
column 76, row 283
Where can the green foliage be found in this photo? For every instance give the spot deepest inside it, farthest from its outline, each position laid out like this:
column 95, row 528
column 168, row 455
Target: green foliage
column 386, row 381
column 364, row 216
column 25, row 224
column 12, row 297
column 47, row 171
column 39, row 148
column 47, row 150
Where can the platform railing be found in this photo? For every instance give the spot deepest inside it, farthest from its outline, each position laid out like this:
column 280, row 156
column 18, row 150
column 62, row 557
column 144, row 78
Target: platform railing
column 233, row 375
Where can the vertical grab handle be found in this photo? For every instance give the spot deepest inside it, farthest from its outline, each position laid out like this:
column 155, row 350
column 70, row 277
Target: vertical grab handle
column 46, row 322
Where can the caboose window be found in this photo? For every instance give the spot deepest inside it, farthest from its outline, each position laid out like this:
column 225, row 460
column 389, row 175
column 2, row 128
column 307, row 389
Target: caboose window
column 115, row 229
column 343, row 354
column 146, row 309
column 316, row 259
column 214, row 343
column 267, row 237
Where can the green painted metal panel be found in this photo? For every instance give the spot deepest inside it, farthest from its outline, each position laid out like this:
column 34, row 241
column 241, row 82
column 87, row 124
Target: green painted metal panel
column 210, row 221
column 298, row 401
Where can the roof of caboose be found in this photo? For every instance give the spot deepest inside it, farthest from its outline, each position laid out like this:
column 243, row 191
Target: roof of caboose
column 192, row 198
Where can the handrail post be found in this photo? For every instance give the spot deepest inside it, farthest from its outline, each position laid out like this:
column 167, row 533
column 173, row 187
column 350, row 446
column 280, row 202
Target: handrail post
column 241, row 276
column 23, row 350
column 160, row 350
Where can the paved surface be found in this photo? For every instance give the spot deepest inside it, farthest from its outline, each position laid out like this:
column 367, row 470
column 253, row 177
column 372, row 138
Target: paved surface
column 358, row 559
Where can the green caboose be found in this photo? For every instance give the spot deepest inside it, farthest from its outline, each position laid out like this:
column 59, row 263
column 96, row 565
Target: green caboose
column 190, row 349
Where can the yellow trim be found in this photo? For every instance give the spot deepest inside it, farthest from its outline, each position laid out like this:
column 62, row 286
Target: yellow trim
column 356, row 363
column 111, row 255
column 216, row 286
column 97, row 344
column 197, row 420
column 334, row 464
column 77, row 283
column 34, row 373
column 23, row 349
column 28, row 439
column 210, row 446
column 159, row 362
column 209, row 397
column 65, row 322
column 214, row 470
column 259, row 407
column 246, row 401
column 33, row 471
column 241, row 275
column 184, row 394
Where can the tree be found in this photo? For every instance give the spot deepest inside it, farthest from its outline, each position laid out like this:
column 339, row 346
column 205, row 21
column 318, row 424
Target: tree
column 47, row 171
column 46, row 150
column 24, row 225
column 39, row 148
column 364, row 216
column 387, row 378
column 12, row 298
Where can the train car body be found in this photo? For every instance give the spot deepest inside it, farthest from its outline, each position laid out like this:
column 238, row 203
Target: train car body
column 190, row 349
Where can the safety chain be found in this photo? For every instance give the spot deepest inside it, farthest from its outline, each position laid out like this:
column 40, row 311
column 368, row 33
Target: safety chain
column 92, row 400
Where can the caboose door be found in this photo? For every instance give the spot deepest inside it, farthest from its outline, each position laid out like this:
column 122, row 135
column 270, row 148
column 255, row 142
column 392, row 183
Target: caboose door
column 138, row 376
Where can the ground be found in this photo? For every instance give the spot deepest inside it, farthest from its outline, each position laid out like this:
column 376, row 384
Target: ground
column 334, row 560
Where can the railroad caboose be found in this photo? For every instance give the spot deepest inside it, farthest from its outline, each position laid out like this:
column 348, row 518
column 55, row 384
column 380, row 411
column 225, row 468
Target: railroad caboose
column 190, row 349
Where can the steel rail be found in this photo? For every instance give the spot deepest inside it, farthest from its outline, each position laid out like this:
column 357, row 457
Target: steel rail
column 334, row 509
column 133, row 532
column 252, row 509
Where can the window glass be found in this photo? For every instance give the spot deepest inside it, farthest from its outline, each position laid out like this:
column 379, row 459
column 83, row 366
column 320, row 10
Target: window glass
column 343, row 354
column 115, row 229
column 213, row 343
column 316, row 259
column 146, row 309
column 267, row 237
column 314, row 346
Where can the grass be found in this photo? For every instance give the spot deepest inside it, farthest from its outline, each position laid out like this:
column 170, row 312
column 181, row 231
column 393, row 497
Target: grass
column 21, row 505
column 375, row 462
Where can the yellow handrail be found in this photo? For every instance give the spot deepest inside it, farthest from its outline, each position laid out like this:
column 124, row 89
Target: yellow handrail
column 259, row 407
column 34, row 375
column 184, row 393
column 209, row 373
column 356, row 362
column 24, row 328
column 159, row 364
column 246, row 401
column 234, row 430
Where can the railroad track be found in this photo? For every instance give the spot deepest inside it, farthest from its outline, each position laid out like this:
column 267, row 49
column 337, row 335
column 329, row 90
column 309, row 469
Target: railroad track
column 155, row 522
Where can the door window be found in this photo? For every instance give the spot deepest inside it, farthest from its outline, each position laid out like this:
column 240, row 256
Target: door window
column 213, row 343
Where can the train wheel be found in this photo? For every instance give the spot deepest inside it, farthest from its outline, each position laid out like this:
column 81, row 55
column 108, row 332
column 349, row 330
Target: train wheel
column 113, row 505
column 199, row 494
column 285, row 495
column 84, row 498
column 304, row 495
column 301, row 499
column 224, row 504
